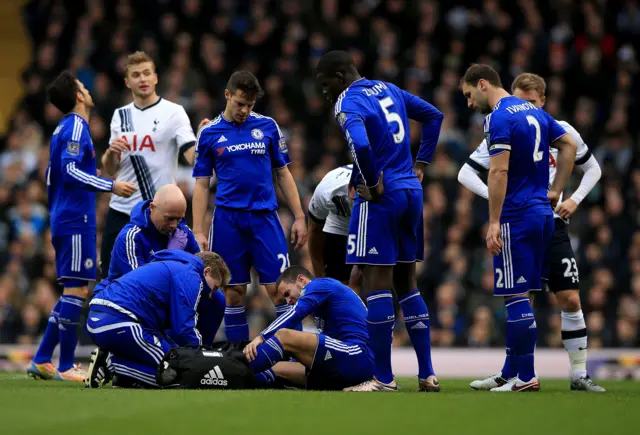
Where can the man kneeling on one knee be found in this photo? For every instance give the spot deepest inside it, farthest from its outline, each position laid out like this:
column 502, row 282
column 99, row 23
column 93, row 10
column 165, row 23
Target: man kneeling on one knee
column 339, row 356
column 138, row 317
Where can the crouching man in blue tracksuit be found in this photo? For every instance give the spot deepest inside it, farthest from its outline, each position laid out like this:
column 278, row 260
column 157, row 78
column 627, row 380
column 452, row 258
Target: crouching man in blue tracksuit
column 138, row 317
column 156, row 225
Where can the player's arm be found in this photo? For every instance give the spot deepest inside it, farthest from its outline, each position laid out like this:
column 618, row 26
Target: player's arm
column 319, row 209
column 77, row 144
column 431, row 120
column 185, row 295
column 280, row 161
column 499, row 146
column 305, row 306
column 355, row 133
column 185, row 139
column 590, row 177
column 112, row 156
column 469, row 177
column 477, row 163
column 127, row 251
column 567, row 147
column 202, row 172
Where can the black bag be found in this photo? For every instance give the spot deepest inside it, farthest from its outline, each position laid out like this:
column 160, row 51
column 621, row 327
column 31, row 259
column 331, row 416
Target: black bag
column 221, row 366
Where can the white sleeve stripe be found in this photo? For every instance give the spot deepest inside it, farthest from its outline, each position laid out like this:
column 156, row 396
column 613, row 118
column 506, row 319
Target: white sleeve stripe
column 85, row 178
column 131, row 247
column 214, row 122
column 500, row 146
column 195, row 322
column 280, row 320
column 77, row 130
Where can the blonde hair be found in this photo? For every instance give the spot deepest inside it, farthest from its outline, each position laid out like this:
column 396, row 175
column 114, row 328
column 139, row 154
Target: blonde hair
column 218, row 267
column 529, row 82
column 136, row 59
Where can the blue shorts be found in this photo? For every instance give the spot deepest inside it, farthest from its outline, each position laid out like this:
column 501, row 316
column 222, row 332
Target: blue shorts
column 75, row 258
column 249, row 238
column 387, row 231
column 339, row 364
column 136, row 351
column 522, row 263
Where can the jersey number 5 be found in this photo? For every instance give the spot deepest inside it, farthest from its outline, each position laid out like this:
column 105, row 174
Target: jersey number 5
column 537, row 155
column 385, row 103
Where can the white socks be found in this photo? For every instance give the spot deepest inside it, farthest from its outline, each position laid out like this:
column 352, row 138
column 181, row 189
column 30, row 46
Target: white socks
column 574, row 338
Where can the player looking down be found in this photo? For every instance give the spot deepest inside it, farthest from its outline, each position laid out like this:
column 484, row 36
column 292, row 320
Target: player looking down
column 518, row 136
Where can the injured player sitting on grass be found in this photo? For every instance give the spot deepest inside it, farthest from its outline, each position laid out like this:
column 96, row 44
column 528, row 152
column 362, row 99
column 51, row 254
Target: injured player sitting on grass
column 337, row 357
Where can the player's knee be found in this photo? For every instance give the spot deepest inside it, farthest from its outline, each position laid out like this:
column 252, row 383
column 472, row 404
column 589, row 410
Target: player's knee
column 404, row 278
column 377, row 278
column 569, row 300
column 286, row 337
column 76, row 289
column 235, row 295
column 272, row 291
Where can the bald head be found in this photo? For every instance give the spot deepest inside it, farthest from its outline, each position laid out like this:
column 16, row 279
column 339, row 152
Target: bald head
column 168, row 208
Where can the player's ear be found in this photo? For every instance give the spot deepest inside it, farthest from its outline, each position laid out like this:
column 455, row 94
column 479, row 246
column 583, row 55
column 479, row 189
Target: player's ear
column 340, row 77
column 543, row 100
column 227, row 94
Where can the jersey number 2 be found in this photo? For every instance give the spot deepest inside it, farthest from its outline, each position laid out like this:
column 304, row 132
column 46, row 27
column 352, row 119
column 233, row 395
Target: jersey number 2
column 385, row 103
column 537, row 155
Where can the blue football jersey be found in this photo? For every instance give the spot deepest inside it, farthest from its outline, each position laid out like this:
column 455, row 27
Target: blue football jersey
column 374, row 117
column 161, row 295
column 72, row 178
column 243, row 157
column 338, row 312
column 526, row 131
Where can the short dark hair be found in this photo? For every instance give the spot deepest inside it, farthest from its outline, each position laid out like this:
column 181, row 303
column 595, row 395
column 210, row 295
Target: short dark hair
column 479, row 71
column 63, row 92
column 246, row 82
column 335, row 61
column 290, row 274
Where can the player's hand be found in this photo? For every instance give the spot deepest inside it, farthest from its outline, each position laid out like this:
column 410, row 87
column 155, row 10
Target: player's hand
column 567, row 208
column 202, row 240
column 371, row 194
column 299, row 232
column 204, row 122
column 554, row 197
column 251, row 351
column 418, row 169
column 118, row 146
column 124, row 189
column 494, row 242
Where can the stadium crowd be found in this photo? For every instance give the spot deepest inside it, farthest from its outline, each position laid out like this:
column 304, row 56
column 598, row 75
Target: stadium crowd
column 586, row 49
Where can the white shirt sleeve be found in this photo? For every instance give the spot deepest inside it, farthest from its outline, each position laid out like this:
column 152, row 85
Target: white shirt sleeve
column 590, row 178
column 115, row 123
column 480, row 159
column 184, row 132
column 321, row 205
column 468, row 177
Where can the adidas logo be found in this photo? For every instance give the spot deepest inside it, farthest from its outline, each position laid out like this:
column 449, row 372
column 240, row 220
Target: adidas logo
column 373, row 251
column 214, row 377
column 521, row 280
column 328, row 356
column 533, row 325
column 419, row 325
column 222, row 139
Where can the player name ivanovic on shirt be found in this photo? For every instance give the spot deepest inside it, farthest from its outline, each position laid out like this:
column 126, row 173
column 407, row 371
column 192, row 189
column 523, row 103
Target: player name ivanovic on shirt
column 521, row 108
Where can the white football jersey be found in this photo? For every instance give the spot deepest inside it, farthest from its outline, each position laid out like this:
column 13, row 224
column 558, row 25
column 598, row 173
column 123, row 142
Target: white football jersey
column 480, row 159
column 330, row 201
column 156, row 135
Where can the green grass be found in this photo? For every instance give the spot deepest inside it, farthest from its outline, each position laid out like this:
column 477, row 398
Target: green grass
column 49, row 407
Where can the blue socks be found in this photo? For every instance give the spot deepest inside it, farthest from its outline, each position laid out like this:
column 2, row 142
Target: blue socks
column 522, row 334
column 380, row 320
column 416, row 320
column 68, row 321
column 284, row 308
column 236, row 326
column 269, row 353
column 50, row 338
column 266, row 378
column 210, row 314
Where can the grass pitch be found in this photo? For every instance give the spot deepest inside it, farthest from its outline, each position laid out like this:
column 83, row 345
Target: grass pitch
column 50, row 407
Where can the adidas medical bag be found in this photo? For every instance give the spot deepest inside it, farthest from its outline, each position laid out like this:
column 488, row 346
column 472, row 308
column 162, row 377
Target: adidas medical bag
column 222, row 366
